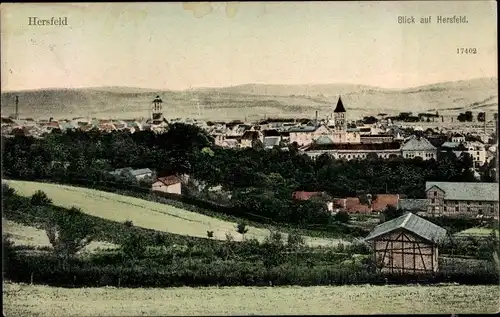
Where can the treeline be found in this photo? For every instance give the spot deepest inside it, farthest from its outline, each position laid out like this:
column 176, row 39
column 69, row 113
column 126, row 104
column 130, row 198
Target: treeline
column 259, row 182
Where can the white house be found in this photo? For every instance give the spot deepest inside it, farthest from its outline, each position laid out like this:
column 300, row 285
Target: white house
column 170, row 184
column 478, row 152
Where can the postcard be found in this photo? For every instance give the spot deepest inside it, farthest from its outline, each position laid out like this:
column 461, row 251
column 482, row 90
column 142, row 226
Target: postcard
column 241, row 158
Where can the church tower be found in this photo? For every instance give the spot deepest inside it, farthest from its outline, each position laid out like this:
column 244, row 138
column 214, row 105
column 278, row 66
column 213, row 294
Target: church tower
column 156, row 113
column 339, row 117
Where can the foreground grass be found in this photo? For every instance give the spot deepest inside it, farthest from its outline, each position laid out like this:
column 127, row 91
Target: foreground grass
column 26, row 300
column 146, row 214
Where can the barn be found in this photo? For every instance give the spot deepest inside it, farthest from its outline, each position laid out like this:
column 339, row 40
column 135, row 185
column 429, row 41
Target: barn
column 407, row 244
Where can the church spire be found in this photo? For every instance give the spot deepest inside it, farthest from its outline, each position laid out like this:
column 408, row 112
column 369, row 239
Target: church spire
column 340, row 106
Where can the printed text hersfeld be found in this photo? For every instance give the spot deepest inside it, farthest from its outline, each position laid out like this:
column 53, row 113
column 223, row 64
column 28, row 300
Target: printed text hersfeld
column 454, row 19
column 52, row 21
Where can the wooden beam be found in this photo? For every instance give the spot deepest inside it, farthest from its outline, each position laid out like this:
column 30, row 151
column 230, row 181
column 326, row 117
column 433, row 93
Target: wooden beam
column 422, row 257
column 403, row 243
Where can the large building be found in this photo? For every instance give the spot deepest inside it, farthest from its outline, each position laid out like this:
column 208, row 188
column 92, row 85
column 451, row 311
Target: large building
column 459, row 199
column 419, row 147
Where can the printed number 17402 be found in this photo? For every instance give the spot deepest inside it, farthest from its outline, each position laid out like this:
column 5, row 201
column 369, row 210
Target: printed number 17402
column 462, row 50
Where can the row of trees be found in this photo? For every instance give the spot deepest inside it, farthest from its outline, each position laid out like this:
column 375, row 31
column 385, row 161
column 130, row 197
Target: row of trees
column 260, row 182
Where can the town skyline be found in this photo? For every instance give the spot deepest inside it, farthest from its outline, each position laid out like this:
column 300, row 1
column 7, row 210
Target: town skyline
column 177, row 47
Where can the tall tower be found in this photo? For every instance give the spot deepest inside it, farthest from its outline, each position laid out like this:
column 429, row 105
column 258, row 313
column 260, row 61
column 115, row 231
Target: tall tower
column 339, row 117
column 156, row 113
column 17, row 108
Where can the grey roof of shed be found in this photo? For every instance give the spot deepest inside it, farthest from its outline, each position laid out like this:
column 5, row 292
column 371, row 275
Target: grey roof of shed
column 141, row 171
column 413, row 223
column 466, row 191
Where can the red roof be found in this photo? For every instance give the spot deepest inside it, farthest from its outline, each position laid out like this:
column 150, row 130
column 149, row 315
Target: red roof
column 54, row 124
column 169, row 180
column 383, row 200
column 300, row 195
column 352, row 204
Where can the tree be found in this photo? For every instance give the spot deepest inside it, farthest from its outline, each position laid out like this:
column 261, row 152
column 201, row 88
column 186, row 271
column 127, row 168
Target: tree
column 241, row 228
column 134, row 247
column 481, row 117
column 68, row 233
column 369, row 120
column 257, row 145
column 295, row 240
column 391, row 212
column 210, row 234
column 272, row 249
column 40, row 199
column 342, row 216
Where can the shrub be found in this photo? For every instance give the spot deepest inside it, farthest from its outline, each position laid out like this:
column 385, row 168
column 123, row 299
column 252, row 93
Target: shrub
column 342, row 216
column 295, row 241
column 69, row 233
column 39, row 198
column 134, row 246
column 241, row 228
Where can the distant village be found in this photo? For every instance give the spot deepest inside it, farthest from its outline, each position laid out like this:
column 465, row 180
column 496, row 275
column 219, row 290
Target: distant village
column 370, row 137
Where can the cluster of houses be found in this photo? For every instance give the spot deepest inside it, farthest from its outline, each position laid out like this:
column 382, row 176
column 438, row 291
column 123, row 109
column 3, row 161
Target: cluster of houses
column 334, row 135
column 451, row 199
column 464, row 199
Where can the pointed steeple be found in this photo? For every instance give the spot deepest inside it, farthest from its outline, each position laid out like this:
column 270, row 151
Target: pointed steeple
column 340, row 106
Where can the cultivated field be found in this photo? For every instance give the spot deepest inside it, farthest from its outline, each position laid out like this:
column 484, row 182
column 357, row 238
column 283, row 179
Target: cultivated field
column 22, row 235
column 27, row 300
column 146, row 214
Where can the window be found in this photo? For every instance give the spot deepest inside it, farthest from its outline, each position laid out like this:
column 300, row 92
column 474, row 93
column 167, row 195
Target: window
column 435, row 194
column 479, row 203
column 456, row 208
column 433, row 200
column 468, row 209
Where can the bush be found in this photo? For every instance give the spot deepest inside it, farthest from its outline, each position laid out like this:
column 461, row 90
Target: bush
column 39, row 198
column 134, row 246
column 46, row 271
column 69, row 232
column 295, row 241
column 343, row 217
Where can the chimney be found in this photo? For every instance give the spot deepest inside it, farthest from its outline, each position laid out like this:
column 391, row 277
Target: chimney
column 485, row 122
column 17, row 108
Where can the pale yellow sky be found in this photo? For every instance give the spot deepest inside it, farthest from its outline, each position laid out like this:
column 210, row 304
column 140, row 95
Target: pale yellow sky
column 169, row 46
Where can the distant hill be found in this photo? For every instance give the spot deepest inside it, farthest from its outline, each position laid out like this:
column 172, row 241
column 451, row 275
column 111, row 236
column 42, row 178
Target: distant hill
column 253, row 101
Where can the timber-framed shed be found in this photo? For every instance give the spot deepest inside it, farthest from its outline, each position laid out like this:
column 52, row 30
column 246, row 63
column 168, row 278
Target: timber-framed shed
column 407, row 245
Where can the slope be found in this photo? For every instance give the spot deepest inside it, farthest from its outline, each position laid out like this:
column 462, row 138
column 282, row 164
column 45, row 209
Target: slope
column 145, row 214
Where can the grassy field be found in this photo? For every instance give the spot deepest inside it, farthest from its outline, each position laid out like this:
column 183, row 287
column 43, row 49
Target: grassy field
column 476, row 232
column 29, row 236
column 27, row 300
column 146, row 214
